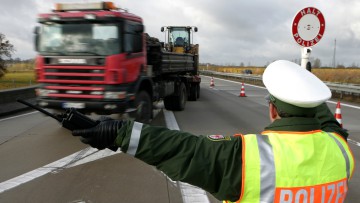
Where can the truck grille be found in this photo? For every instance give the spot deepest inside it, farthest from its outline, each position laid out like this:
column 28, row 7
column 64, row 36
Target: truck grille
column 73, row 79
column 74, row 74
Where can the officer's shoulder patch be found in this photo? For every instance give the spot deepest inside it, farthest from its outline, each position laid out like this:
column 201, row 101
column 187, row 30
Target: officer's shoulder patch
column 218, row 138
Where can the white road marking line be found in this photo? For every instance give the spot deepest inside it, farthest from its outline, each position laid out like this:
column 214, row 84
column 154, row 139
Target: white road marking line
column 237, row 82
column 189, row 192
column 80, row 157
column 170, row 120
column 342, row 104
column 14, row 182
column 332, row 102
column 354, row 142
column 9, row 118
column 93, row 157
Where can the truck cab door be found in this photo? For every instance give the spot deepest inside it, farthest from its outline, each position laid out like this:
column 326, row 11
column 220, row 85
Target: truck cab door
column 134, row 49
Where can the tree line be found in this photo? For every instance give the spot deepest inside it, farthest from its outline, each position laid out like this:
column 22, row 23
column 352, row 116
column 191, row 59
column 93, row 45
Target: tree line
column 315, row 63
column 6, row 52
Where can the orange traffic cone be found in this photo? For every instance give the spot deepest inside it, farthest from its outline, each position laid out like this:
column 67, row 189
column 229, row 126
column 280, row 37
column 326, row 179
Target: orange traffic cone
column 242, row 92
column 212, row 84
column 338, row 114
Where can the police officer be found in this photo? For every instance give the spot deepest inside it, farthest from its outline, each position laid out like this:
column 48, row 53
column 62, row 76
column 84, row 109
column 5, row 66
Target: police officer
column 302, row 156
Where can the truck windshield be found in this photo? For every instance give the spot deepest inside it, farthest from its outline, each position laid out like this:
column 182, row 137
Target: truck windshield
column 179, row 36
column 79, row 39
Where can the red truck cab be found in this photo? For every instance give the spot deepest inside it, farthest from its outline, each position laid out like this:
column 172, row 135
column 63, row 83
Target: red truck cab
column 85, row 53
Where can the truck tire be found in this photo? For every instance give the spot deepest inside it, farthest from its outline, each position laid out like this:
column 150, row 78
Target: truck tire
column 143, row 104
column 176, row 102
column 193, row 92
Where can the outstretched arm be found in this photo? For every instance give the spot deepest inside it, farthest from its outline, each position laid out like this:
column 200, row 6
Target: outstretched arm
column 212, row 164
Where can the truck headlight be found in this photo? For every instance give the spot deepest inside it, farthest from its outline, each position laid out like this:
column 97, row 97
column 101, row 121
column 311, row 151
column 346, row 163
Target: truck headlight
column 45, row 92
column 115, row 95
column 96, row 93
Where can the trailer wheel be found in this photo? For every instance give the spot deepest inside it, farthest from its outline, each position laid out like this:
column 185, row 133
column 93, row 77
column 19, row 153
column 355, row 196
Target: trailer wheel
column 143, row 105
column 176, row 103
column 193, row 92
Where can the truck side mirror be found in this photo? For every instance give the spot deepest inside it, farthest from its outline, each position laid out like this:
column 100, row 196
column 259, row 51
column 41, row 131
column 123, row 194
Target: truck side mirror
column 139, row 28
column 36, row 40
column 195, row 29
column 162, row 29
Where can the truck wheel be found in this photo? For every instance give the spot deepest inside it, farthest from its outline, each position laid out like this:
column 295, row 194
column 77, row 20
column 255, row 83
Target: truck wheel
column 193, row 92
column 182, row 98
column 143, row 105
column 176, row 103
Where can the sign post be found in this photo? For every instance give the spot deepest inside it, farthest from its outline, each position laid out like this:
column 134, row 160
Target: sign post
column 308, row 28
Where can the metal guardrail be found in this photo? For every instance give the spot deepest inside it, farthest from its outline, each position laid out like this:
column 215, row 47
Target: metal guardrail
column 7, row 96
column 8, row 104
column 10, row 95
column 347, row 89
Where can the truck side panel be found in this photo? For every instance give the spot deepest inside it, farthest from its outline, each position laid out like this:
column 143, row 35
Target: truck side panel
column 169, row 62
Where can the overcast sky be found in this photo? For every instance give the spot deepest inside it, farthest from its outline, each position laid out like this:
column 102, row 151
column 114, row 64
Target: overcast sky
column 253, row 32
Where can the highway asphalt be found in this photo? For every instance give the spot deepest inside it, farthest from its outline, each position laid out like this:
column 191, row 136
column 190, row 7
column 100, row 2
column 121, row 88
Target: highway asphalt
column 34, row 143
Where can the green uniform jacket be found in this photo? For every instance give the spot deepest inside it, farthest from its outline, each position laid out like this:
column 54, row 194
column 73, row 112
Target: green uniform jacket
column 211, row 163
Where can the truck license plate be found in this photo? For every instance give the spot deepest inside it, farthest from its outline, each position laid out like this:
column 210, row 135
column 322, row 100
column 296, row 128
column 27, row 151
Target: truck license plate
column 67, row 105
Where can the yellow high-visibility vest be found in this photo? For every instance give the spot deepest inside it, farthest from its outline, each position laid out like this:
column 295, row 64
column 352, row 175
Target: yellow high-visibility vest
column 286, row 167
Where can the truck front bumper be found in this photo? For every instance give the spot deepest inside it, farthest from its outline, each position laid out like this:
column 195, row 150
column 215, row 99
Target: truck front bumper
column 98, row 107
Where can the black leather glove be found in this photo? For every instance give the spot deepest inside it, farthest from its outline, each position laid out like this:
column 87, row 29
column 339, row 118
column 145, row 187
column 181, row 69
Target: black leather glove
column 102, row 135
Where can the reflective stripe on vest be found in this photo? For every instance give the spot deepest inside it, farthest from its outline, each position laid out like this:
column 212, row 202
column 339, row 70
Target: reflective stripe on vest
column 346, row 157
column 267, row 169
column 268, row 178
column 134, row 138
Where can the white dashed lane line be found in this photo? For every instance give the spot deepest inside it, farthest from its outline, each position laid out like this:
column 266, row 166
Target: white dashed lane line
column 189, row 192
column 80, row 157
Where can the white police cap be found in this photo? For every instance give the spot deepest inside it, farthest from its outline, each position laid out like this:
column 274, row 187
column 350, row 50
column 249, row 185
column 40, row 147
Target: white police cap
column 295, row 85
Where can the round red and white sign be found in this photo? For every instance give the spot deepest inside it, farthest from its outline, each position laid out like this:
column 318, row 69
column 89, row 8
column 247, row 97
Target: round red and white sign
column 308, row 27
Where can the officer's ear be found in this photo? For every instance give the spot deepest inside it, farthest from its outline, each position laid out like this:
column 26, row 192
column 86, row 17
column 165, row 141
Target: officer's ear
column 273, row 114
